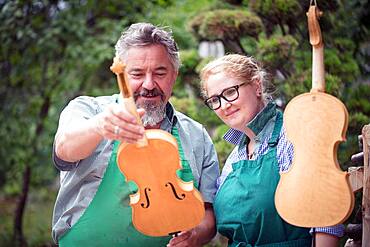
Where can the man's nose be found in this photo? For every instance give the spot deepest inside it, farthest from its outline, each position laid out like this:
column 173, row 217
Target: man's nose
column 148, row 82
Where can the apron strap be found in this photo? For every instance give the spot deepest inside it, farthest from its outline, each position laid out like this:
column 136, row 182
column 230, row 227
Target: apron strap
column 185, row 173
column 277, row 128
column 175, row 133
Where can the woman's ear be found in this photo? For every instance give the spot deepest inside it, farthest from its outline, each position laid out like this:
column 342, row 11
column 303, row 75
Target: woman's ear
column 259, row 92
column 258, row 87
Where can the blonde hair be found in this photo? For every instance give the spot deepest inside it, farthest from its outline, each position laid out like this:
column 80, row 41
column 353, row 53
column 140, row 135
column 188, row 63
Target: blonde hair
column 241, row 67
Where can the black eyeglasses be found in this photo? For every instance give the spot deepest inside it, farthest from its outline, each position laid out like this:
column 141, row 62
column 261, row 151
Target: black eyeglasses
column 229, row 94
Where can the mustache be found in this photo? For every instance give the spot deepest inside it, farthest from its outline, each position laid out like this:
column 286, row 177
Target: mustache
column 149, row 93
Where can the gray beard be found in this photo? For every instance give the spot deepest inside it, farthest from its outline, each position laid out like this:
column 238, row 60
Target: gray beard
column 154, row 114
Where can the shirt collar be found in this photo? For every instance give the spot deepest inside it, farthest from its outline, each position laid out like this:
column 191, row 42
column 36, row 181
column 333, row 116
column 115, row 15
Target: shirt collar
column 256, row 125
column 170, row 119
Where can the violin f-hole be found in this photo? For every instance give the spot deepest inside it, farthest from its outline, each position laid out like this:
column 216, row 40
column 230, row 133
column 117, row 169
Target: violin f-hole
column 174, row 192
column 147, row 199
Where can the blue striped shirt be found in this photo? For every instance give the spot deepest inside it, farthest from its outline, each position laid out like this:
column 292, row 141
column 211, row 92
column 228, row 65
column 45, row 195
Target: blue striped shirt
column 285, row 153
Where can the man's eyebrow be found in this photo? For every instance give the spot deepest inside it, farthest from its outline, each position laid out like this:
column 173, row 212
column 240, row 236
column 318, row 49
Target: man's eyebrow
column 137, row 69
column 161, row 68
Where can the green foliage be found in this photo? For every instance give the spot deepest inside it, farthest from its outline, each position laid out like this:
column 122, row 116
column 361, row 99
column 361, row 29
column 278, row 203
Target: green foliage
column 36, row 221
column 333, row 85
column 224, row 24
column 277, row 53
column 278, row 13
column 6, row 209
column 190, row 59
column 250, row 45
column 176, row 16
column 24, row 90
column 203, row 63
column 50, row 55
column 277, row 8
column 358, row 104
column 296, row 84
column 341, row 62
column 187, row 73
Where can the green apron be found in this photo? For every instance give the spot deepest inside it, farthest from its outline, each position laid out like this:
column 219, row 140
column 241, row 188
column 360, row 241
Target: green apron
column 107, row 220
column 244, row 205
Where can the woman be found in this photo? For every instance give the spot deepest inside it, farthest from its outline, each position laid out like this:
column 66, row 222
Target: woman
column 234, row 89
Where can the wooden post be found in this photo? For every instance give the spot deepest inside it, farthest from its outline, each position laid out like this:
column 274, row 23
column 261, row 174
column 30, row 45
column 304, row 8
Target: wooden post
column 356, row 177
column 366, row 188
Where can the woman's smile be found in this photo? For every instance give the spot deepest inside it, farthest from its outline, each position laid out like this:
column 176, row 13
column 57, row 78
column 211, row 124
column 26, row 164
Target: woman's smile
column 231, row 112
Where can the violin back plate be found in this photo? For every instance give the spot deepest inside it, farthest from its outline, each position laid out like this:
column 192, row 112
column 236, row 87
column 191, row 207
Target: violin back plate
column 315, row 192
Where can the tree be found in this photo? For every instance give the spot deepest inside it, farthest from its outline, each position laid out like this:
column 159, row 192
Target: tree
column 51, row 51
column 226, row 25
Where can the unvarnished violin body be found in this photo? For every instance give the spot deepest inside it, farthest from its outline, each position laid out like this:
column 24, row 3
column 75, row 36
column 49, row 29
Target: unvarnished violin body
column 315, row 192
column 163, row 204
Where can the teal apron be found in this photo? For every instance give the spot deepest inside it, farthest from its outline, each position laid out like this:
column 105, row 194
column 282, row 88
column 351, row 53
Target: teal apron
column 244, row 205
column 107, row 220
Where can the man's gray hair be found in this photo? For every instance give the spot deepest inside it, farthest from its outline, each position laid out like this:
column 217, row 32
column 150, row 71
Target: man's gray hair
column 144, row 34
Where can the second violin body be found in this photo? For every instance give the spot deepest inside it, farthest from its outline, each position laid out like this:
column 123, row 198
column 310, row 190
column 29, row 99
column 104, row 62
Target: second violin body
column 315, row 192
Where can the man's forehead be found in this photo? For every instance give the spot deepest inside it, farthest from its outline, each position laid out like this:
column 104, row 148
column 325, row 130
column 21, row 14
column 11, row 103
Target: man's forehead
column 155, row 56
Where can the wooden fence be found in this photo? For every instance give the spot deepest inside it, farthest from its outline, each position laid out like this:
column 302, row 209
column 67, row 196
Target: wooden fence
column 360, row 179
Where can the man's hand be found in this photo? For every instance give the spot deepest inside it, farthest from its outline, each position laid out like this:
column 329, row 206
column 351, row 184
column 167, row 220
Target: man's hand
column 117, row 123
column 81, row 136
column 200, row 235
column 185, row 239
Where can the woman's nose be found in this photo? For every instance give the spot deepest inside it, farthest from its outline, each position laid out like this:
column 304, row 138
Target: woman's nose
column 224, row 103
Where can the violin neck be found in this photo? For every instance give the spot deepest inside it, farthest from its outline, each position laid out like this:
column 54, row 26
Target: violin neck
column 318, row 69
column 129, row 103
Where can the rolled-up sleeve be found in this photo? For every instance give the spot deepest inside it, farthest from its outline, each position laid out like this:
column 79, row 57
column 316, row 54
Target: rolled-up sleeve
column 337, row 230
column 80, row 108
column 60, row 164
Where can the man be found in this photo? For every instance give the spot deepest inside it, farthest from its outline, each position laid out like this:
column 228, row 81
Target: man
column 92, row 206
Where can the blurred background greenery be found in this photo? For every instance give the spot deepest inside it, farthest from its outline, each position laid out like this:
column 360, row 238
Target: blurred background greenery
column 53, row 50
